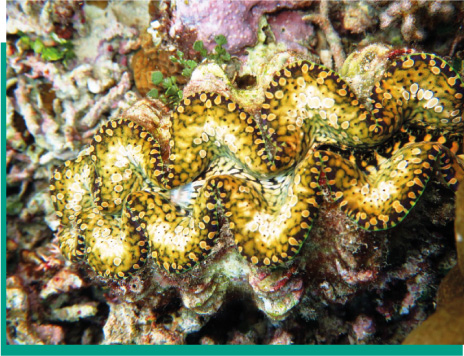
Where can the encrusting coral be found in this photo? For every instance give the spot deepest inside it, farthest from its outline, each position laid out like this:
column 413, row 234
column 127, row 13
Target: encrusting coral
column 262, row 179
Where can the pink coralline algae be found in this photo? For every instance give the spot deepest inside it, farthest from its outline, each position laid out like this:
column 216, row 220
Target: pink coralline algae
column 290, row 28
column 237, row 20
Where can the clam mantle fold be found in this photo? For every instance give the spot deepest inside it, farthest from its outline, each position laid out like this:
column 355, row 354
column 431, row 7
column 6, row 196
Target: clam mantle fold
column 262, row 177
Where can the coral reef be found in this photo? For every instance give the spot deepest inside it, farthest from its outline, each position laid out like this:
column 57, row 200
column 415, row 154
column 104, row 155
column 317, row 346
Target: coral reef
column 344, row 284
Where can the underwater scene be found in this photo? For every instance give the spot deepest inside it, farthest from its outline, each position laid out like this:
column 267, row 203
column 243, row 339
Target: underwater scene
column 234, row 172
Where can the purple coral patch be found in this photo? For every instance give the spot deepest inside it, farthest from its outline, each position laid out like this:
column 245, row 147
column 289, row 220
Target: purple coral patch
column 237, row 20
column 290, row 28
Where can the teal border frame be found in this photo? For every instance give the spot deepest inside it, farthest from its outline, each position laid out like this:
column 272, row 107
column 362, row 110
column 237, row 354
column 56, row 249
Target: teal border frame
column 452, row 350
column 235, row 350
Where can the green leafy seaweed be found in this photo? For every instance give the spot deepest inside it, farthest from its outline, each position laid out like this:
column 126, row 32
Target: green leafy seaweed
column 63, row 50
column 172, row 93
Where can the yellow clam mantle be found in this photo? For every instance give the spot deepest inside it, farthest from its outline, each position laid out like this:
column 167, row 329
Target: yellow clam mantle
column 263, row 176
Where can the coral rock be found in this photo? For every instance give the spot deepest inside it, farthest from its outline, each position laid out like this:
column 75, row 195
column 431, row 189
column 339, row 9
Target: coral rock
column 62, row 282
column 127, row 324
